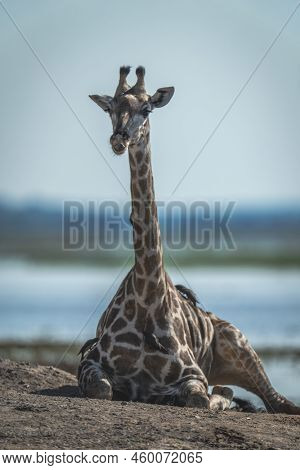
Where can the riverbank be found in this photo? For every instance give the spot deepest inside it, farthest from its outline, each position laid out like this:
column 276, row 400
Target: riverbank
column 42, row 409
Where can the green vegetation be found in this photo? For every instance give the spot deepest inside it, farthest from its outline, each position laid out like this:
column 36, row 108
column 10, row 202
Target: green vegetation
column 65, row 355
column 189, row 258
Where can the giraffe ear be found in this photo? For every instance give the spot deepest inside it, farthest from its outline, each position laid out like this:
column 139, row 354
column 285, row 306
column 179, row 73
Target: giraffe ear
column 103, row 101
column 162, row 97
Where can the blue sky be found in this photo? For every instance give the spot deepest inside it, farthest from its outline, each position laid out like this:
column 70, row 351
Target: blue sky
column 206, row 49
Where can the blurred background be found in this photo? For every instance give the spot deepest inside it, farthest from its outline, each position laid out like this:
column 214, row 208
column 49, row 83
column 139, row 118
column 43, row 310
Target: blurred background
column 231, row 133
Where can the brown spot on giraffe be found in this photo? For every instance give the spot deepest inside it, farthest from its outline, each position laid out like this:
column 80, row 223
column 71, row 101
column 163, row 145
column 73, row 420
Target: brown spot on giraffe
column 161, row 318
column 140, row 285
column 186, row 358
column 151, row 291
column 130, row 309
column 138, row 229
column 139, row 269
column 113, row 313
column 105, row 342
column 174, row 373
column 150, row 263
column 129, row 287
column 118, row 325
column 143, row 184
column 126, row 363
column 147, row 215
column 138, row 155
column 178, row 327
column 155, row 364
column 130, row 338
column 170, row 343
column 143, row 170
column 141, row 319
column 125, row 359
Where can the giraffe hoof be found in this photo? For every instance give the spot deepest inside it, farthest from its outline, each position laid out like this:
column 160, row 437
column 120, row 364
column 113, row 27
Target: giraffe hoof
column 221, row 398
column 195, row 400
column 100, row 389
column 287, row 408
column 225, row 392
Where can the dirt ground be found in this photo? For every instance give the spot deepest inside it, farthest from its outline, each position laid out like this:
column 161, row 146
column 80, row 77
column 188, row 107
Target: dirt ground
column 42, row 409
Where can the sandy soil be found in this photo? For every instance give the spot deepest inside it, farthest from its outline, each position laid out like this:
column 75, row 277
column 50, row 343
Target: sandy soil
column 41, row 409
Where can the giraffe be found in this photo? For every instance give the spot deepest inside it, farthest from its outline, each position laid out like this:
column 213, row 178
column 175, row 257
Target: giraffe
column 153, row 342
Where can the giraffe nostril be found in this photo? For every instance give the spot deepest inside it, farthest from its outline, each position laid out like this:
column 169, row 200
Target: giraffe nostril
column 119, row 147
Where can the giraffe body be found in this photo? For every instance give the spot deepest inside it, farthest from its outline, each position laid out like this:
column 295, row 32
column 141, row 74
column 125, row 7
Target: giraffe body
column 153, row 343
column 138, row 368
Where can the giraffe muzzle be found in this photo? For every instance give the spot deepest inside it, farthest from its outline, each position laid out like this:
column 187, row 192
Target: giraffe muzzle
column 119, row 144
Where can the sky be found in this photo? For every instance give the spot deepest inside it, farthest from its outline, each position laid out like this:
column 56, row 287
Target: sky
column 54, row 141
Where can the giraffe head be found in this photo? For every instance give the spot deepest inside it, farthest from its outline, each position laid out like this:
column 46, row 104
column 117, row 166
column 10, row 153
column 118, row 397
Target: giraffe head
column 129, row 109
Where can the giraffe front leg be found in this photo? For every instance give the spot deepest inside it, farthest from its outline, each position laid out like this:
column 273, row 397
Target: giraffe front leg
column 194, row 393
column 92, row 381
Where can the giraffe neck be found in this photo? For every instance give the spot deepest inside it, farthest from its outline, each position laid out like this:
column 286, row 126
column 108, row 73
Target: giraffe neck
column 144, row 218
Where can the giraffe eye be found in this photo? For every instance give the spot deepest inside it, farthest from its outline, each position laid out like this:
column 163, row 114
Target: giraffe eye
column 146, row 112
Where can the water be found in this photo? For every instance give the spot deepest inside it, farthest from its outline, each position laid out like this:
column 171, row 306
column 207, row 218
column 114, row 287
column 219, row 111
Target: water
column 62, row 302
